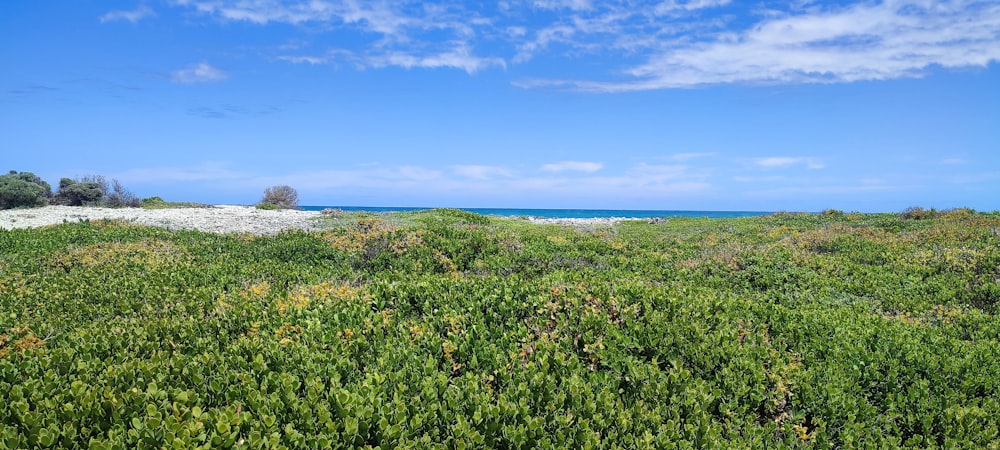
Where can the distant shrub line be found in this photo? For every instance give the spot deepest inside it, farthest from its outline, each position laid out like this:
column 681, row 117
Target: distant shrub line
column 27, row 190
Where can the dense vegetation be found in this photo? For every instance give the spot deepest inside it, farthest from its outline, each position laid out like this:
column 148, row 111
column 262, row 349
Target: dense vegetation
column 27, row 190
column 450, row 329
column 23, row 189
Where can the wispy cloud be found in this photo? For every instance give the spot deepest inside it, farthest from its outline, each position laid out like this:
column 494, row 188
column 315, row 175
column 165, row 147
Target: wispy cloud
column 198, row 73
column 563, row 4
column 863, row 41
column 574, row 166
column 787, row 161
column 690, row 156
column 208, row 171
column 460, row 57
column 639, row 181
column 643, row 44
column 482, row 172
column 404, row 33
column 673, row 6
column 133, row 15
column 824, row 190
column 228, row 111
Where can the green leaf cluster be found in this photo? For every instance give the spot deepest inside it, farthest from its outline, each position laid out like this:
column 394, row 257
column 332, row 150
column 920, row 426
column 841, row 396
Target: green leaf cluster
column 445, row 329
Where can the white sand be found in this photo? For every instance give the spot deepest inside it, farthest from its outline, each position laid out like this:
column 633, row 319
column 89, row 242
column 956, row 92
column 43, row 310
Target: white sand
column 217, row 219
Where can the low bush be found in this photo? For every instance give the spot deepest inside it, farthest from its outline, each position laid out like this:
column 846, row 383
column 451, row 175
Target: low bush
column 152, row 201
column 283, row 197
column 918, row 213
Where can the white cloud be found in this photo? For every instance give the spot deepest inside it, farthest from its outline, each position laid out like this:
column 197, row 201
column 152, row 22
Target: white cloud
column 563, row 4
column 823, row 190
column 198, row 73
column 672, row 6
column 642, row 44
column 418, row 173
column 264, row 11
column 468, row 181
column 304, row 59
column 786, row 161
column 689, row 156
column 576, row 166
column 459, row 57
column 864, row 41
column 482, row 172
column 133, row 16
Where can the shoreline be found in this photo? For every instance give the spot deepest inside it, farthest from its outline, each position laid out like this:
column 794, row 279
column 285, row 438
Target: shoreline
column 217, row 218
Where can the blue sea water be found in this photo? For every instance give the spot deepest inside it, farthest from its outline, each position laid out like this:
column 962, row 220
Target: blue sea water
column 562, row 213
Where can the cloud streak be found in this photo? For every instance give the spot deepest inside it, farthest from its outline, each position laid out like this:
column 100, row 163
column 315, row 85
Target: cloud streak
column 642, row 44
column 198, row 73
column 134, row 15
column 787, row 161
column 573, row 166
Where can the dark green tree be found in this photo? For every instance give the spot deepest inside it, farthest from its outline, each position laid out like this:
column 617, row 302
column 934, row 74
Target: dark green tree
column 23, row 189
column 74, row 193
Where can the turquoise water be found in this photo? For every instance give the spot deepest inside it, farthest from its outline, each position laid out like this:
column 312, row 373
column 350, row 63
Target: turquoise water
column 562, row 213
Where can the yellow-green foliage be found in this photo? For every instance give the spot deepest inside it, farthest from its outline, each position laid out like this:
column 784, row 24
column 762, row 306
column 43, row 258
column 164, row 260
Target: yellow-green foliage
column 422, row 329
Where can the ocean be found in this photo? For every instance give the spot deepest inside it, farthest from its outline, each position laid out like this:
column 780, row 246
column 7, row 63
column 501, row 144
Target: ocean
column 562, row 213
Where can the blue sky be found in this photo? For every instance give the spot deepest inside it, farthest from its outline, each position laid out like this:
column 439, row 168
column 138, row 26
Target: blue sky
column 630, row 104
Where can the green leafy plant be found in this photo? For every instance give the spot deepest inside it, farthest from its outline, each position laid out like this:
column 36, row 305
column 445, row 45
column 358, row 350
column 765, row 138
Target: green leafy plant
column 447, row 329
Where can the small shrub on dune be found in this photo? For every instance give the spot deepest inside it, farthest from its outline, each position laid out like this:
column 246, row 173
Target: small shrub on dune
column 918, row 213
column 282, row 197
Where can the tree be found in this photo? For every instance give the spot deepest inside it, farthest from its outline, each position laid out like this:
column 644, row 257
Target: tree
column 23, row 189
column 95, row 190
column 119, row 197
column 75, row 193
column 284, row 197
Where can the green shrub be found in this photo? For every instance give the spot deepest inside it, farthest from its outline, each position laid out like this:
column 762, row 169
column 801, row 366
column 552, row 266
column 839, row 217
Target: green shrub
column 95, row 190
column 918, row 213
column 152, row 201
column 73, row 193
column 284, row 197
column 267, row 206
column 439, row 329
column 23, row 189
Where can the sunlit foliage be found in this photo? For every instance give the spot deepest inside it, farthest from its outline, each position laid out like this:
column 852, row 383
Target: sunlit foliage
column 417, row 329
